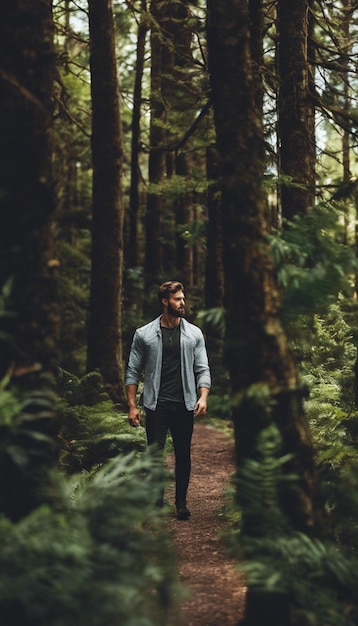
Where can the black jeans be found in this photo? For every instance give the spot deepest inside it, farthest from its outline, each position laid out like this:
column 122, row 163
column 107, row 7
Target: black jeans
column 173, row 416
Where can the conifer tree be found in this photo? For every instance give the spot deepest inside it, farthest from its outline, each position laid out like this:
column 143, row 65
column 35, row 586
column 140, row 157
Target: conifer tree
column 105, row 324
column 263, row 372
column 29, row 310
column 295, row 110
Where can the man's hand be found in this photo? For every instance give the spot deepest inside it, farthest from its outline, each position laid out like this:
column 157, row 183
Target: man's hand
column 133, row 411
column 134, row 416
column 200, row 407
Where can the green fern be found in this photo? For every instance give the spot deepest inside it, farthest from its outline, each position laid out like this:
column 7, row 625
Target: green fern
column 101, row 557
column 318, row 580
column 92, row 431
column 28, row 446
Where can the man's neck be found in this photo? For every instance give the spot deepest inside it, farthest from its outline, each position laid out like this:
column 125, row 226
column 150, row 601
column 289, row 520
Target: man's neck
column 169, row 321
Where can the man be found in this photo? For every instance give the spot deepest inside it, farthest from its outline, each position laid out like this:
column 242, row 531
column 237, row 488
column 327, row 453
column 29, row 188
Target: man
column 171, row 352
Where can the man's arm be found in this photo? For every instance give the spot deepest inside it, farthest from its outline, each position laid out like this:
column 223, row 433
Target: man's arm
column 133, row 411
column 201, row 364
column 131, row 379
column 202, row 373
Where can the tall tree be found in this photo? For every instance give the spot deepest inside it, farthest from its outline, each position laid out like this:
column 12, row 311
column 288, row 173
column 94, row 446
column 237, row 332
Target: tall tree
column 105, row 323
column 179, row 56
column 173, row 88
column 345, row 61
column 214, row 270
column 184, row 215
column 29, row 311
column 295, row 109
column 132, row 252
column 257, row 351
column 157, row 163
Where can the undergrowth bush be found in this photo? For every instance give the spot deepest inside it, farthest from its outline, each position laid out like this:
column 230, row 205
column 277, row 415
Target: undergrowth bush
column 317, row 578
column 81, row 548
column 99, row 557
column 328, row 371
column 92, row 431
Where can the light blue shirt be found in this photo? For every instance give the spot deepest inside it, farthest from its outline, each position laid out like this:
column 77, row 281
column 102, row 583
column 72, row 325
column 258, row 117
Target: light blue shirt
column 146, row 356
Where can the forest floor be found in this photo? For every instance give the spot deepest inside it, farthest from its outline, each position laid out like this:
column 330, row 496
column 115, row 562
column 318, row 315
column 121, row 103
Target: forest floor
column 216, row 591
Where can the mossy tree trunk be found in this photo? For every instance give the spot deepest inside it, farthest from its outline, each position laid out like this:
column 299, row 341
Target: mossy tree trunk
column 132, row 252
column 214, row 269
column 295, row 110
column 29, row 312
column 263, row 372
column 153, row 266
column 105, row 315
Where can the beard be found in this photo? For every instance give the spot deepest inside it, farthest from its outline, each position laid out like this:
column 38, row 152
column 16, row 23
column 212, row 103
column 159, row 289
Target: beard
column 175, row 312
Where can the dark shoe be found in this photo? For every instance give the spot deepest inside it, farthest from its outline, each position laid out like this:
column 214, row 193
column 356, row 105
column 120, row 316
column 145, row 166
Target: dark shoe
column 182, row 511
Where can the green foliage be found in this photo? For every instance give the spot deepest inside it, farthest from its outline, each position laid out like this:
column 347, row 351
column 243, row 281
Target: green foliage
column 212, row 320
column 73, row 294
column 194, row 233
column 6, row 313
column 101, row 557
column 92, row 431
column 28, row 446
column 328, row 364
column 317, row 275
column 341, row 494
column 319, row 579
column 327, row 368
column 312, row 266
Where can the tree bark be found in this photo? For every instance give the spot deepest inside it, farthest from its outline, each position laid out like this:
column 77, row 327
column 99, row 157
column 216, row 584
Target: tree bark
column 184, row 215
column 170, row 46
column 153, row 244
column 345, row 61
column 295, row 110
column 262, row 369
column 27, row 201
column 176, row 62
column 132, row 252
column 105, row 315
column 256, row 25
column 29, row 308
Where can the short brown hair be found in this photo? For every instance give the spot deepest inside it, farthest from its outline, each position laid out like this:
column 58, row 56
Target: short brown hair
column 170, row 286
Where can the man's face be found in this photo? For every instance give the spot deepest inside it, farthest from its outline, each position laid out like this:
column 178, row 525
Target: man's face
column 176, row 304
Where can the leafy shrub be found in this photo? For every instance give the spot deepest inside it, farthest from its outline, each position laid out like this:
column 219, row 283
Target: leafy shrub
column 317, row 579
column 101, row 557
column 28, row 445
column 92, row 431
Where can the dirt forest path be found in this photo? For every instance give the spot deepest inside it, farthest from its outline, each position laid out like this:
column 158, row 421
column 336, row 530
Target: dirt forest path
column 217, row 594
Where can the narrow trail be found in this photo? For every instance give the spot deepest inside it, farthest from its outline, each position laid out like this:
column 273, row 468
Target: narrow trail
column 217, row 592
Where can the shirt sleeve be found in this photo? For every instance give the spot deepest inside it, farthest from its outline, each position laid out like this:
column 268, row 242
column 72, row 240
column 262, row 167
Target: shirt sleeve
column 135, row 362
column 201, row 363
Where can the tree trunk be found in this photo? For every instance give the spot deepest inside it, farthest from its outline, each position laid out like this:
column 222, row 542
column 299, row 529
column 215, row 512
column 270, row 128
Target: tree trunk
column 345, row 62
column 105, row 323
column 257, row 351
column 153, row 244
column 29, row 311
column 132, row 252
column 214, row 272
column 256, row 25
column 171, row 39
column 27, row 199
column 177, row 54
column 295, row 110
column 184, row 215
